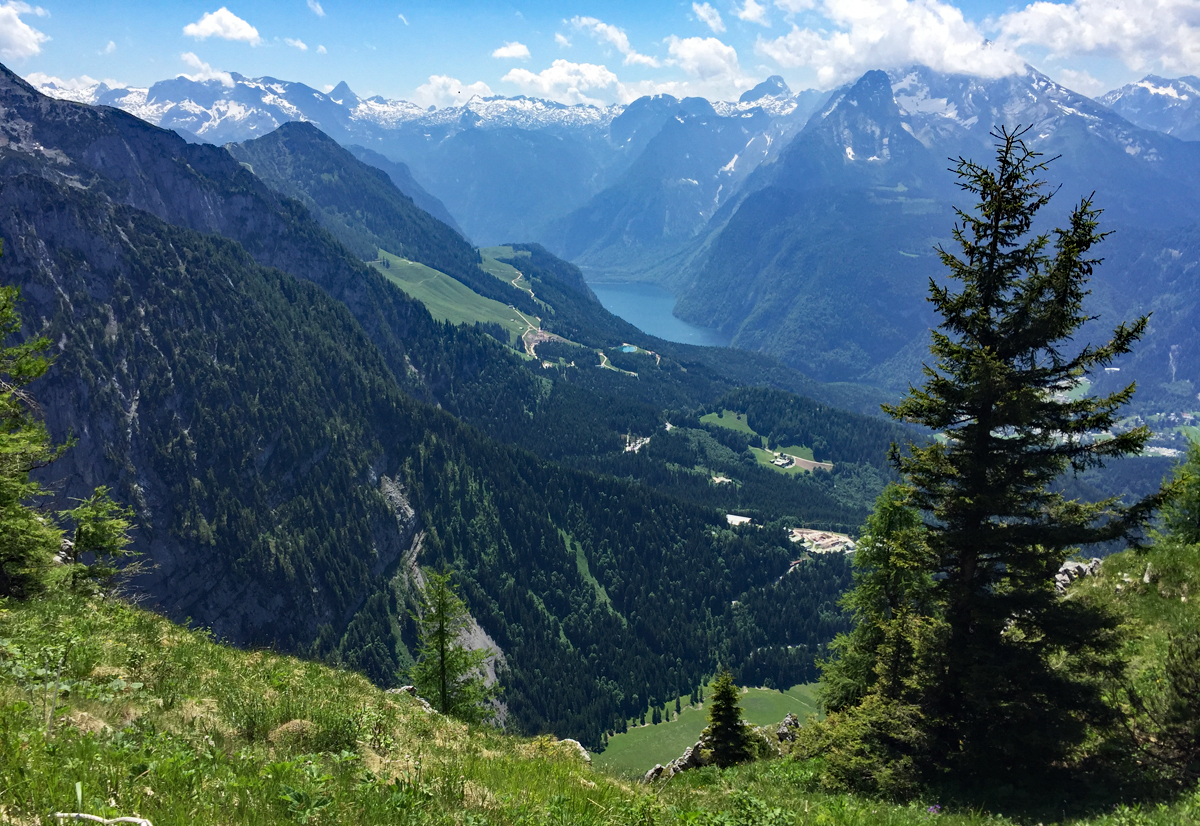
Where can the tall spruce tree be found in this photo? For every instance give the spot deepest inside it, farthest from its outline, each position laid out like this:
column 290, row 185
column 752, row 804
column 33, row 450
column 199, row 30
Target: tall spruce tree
column 448, row 674
column 726, row 734
column 1017, row 678
column 28, row 540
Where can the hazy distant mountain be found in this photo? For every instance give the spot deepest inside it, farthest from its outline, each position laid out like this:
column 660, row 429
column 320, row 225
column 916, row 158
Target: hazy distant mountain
column 403, row 179
column 503, row 167
column 823, row 257
column 1163, row 104
column 687, row 171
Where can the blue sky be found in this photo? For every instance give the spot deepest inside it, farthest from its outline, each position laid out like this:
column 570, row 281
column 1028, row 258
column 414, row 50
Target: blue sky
column 436, row 53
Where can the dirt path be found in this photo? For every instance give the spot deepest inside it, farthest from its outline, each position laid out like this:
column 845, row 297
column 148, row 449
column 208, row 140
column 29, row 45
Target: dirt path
column 529, row 290
column 608, row 365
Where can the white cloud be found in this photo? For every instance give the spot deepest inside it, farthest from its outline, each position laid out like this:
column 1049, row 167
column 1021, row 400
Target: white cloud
column 110, row 48
column 606, row 33
column 709, row 16
column 204, row 71
column 795, row 6
column 403, row 19
column 74, row 84
column 316, row 8
column 1142, row 34
column 565, row 82
column 443, row 90
column 885, row 34
column 512, row 50
column 753, row 12
column 562, row 40
column 224, row 24
column 1080, row 81
column 327, row 88
column 322, row 50
column 296, row 44
column 19, row 40
column 712, row 65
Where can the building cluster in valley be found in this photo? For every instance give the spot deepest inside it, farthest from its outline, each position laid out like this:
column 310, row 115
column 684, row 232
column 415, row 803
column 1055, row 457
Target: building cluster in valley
column 822, row 542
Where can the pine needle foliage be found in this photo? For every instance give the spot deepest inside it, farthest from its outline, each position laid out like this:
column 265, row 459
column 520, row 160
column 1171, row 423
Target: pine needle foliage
column 448, row 674
column 1017, row 682
column 726, row 731
column 28, row 540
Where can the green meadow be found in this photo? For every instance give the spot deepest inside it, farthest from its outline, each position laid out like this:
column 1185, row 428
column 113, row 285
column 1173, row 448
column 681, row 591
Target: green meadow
column 641, row 747
column 737, row 421
column 446, row 298
column 505, row 272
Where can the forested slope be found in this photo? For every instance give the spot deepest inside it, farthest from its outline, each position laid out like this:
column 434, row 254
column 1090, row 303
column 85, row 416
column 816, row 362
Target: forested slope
column 272, row 437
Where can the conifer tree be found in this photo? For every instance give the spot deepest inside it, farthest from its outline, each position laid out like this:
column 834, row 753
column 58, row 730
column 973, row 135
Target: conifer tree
column 447, row 673
column 726, row 734
column 1017, row 680
column 28, row 540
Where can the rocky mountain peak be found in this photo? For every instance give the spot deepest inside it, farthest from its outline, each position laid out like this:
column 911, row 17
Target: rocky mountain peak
column 774, row 87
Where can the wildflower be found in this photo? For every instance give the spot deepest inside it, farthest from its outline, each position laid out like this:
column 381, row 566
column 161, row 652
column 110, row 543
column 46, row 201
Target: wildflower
column 935, row 809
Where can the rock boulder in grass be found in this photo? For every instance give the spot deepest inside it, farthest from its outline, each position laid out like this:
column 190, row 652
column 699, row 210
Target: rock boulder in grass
column 1072, row 570
column 692, row 758
column 654, row 774
column 578, row 747
column 788, row 728
column 411, row 691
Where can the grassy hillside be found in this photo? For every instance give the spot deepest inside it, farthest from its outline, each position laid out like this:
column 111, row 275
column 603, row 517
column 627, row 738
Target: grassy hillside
column 446, row 298
column 158, row 721
column 638, row 749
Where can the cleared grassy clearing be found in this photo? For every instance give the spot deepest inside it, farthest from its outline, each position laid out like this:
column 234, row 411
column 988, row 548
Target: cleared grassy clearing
column 446, row 298
column 730, row 419
column 505, row 272
column 640, row 748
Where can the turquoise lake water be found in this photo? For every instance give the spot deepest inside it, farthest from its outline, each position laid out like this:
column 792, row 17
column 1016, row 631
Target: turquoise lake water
column 648, row 307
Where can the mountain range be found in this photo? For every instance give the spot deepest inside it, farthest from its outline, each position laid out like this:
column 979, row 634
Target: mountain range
column 296, row 433
column 768, row 217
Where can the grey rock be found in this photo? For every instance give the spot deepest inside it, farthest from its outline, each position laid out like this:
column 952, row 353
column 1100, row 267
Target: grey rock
column 1072, row 570
column 654, row 774
column 692, row 758
column 788, row 728
column 583, row 753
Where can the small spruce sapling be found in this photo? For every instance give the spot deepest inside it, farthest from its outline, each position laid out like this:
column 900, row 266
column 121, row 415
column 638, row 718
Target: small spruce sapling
column 726, row 733
column 448, row 674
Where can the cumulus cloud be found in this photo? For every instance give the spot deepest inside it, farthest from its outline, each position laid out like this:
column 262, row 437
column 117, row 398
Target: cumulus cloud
column 18, row 39
column 565, row 82
column 753, row 12
column 110, row 48
column 73, row 84
column 884, row 34
column 606, row 33
column 795, row 6
column 709, row 16
column 316, row 8
column 443, row 90
column 711, row 65
column 1080, row 81
column 204, row 71
column 224, row 24
column 512, row 51
column 1142, row 34
column 322, row 50
column 296, row 44
column 562, row 40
